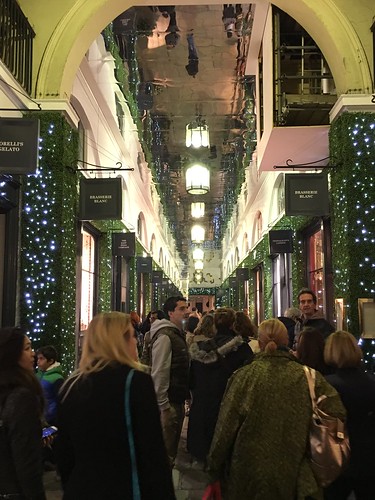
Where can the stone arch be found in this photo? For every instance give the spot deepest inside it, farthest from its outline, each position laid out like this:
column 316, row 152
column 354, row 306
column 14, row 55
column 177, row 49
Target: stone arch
column 141, row 228
column 69, row 32
column 152, row 244
column 277, row 204
column 160, row 257
column 236, row 257
column 245, row 245
column 257, row 227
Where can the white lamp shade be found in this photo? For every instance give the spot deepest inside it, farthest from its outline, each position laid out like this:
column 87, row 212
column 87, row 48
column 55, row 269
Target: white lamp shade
column 197, row 234
column 197, row 135
column 198, row 254
column 198, row 265
column 197, row 179
column 197, row 210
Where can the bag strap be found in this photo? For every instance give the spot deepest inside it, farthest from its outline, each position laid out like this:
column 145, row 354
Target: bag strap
column 129, row 427
column 310, row 375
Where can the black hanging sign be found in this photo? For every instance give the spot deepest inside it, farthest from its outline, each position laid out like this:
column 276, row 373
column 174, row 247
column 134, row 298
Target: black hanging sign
column 233, row 282
column 19, row 145
column 123, row 244
column 281, row 241
column 157, row 276
column 242, row 274
column 144, row 265
column 306, row 194
column 100, row 199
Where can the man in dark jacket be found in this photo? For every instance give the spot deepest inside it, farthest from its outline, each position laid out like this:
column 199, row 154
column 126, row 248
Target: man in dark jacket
column 170, row 371
column 311, row 316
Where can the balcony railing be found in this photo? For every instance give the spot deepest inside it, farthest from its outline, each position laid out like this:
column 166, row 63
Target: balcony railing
column 16, row 42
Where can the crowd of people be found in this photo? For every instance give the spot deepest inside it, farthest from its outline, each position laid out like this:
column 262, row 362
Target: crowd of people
column 243, row 389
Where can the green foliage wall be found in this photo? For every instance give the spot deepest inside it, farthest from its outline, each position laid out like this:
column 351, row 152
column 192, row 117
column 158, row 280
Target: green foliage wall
column 352, row 145
column 48, row 240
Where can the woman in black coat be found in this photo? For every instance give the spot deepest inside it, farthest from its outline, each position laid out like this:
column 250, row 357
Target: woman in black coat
column 357, row 391
column 21, row 411
column 212, row 363
column 93, row 452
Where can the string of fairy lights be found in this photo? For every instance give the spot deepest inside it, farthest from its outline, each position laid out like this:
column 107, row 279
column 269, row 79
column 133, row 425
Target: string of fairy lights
column 40, row 231
column 353, row 142
column 48, row 249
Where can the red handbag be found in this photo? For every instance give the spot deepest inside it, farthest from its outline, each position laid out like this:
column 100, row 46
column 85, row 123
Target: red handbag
column 212, row 492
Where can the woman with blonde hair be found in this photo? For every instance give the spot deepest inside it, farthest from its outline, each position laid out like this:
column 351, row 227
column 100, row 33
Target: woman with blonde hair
column 260, row 446
column 357, row 391
column 108, row 420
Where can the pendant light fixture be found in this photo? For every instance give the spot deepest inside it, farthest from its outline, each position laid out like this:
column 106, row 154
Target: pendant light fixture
column 198, row 254
column 197, row 179
column 197, row 234
column 197, row 210
column 197, row 135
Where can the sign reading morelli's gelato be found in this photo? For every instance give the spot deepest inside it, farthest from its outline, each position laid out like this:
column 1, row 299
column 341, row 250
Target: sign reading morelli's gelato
column 100, row 199
column 306, row 194
column 19, row 142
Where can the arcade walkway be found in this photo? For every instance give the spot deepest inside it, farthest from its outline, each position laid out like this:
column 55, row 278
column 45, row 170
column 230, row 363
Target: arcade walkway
column 189, row 480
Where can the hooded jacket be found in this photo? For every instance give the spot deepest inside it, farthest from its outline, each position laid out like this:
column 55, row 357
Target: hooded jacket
column 212, row 363
column 169, row 363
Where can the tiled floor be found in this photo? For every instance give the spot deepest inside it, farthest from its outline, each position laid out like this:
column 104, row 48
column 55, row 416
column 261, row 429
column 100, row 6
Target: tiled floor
column 188, row 477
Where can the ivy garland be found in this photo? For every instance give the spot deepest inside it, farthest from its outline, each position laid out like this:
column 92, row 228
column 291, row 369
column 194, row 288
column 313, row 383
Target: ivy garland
column 48, row 237
column 352, row 139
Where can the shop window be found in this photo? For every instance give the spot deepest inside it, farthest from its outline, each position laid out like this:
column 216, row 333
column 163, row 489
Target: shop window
column 258, row 298
column 281, row 281
column 88, row 279
column 316, row 267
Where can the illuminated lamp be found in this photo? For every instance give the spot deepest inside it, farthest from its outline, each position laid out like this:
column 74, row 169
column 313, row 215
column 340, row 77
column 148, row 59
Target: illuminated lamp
column 197, row 210
column 197, row 234
column 198, row 265
column 197, row 135
column 198, row 254
column 197, row 179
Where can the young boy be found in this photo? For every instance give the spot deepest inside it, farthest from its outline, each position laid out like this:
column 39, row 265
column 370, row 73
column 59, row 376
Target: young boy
column 51, row 378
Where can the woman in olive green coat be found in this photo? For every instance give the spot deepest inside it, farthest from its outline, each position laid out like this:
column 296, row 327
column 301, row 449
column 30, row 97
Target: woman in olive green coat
column 260, row 446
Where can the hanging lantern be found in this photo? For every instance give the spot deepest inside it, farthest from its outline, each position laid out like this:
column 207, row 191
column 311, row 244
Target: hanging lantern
column 198, row 265
column 197, row 179
column 197, row 210
column 197, row 234
column 197, row 135
column 198, row 254
column 198, row 277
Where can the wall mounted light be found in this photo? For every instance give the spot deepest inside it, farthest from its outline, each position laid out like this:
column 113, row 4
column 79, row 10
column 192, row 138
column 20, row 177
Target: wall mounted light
column 197, row 179
column 197, row 234
column 197, row 210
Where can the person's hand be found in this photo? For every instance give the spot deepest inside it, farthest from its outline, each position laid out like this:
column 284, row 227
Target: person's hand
column 47, row 441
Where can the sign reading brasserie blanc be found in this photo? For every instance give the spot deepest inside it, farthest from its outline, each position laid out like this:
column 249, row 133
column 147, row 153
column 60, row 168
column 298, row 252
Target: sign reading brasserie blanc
column 19, row 143
column 100, row 199
column 306, row 194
